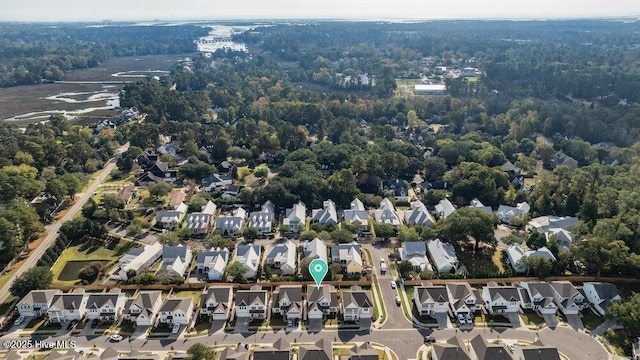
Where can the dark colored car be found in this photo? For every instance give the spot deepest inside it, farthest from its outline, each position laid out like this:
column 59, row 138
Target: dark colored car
column 429, row 339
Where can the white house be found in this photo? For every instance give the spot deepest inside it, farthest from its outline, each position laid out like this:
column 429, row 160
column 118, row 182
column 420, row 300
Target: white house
column 176, row 259
column 212, row 263
column 563, row 237
column 283, row 257
column 387, row 214
column 321, row 301
column 36, row 302
column 506, row 213
column 215, row 302
column 444, row 208
column 349, row 257
column 463, row 299
column 295, row 216
column 171, row 219
column 418, row 215
column 500, row 300
column 443, row 256
column 431, row 300
column 357, row 305
column 252, row 303
column 568, row 299
column 249, row 256
column 67, row 307
column 601, row 295
column 263, row 219
column 415, row 252
column 216, row 182
column 106, row 306
column 326, row 215
column 315, row 249
column 477, row 204
column 541, row 296
column 287, row 302
column 357, row 215
column 516, row 256
column 139, row 259
column 144, row 308
column 202, row 222
column 231, row 224
column 542, row 224
column 176, row 311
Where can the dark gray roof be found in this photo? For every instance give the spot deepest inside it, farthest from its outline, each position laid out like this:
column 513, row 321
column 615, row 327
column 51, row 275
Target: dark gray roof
column 242, row 250
column 219, row 294
column 486, row 351
column 359, row 297
column 564, row 288
column 321, row 350
column 96, row 301
column 238, row 353
column 540, row 353
column 436, row 293
column 415, row 247
column 509, row 293
column 279, row 351
column 146, row 299
column 606, row 291
column 174, row 304
column 364, row 352
column 68, row 301
column 540, row 287
column 40, row 296
column 453, row 349
column 173, row 252
column 202, row 256
column 248, row 297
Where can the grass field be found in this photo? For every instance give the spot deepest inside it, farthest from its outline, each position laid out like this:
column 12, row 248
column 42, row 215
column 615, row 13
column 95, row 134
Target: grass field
column 92, row 251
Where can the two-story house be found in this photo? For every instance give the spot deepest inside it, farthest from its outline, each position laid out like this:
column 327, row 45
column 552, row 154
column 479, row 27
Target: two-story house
column 287, row 302
column 295, row 216
column 67, row 307
column 200, row 223
column 320, row 350
column 176, row 311
column 357, row 215
column 443, row 256
column 601, row 295
column 481, row 349
column 444, row 208
column 567, row 297
column 143, row 308
column 415, row 252
column 212, row 263
column 507, row 213
column 171, row 219
column 501, row 300
column 431, row 300
column 176, row 259
column 279, row 351
column 454, row 349
column 231, row 224
column 418, row 215
column 326, row 215
column 36, row 302
column 357, row 306
column 139, row 259
column 249, row 256
column 315, row 249
column 541, row 296
column 251, row 304
column 463, row 299
column 216, row 182
column 349, row 258
column 283, row 257
column 387, row 214
column 322, row 302
column 106, row 306
column 263, row 219
column 215, row 302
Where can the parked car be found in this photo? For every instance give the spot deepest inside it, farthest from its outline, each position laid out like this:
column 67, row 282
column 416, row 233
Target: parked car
column 72, row 323
column 429, row 339
column 462, row 319
column 115, row 338
column 19, row 320
column 95, row 323
column 393, row 284
column 176, row 328
column 397, row 300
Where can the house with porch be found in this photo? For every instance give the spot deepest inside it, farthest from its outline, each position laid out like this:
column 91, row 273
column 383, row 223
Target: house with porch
column 444, row 208
column 567, row 297
column 443, row 256
column 315, row 249
column 387, row 214
column 251, row 304
column 431, row 300
column 143, row 308
column 541, row 296
column 176, row 259
column 212, row 263
column 349, row 258
column 249, row 256
column 36, row 302
column 601, row 295
column 287, row 303
column 200, row 223
column 327, row 215
column 107, row 306
column 263, row 219
column 418, row 215
column 415, row 252
column 357, row 306
column 171, row 219
column 283, row 258
column 139, row 259
column 322, row 302
column 215, row 302
column 501, row 300
column 68, row 306
column 176, row 311
column 231, row 224
column 295, row 217
column 463, row 299
column 357, row 215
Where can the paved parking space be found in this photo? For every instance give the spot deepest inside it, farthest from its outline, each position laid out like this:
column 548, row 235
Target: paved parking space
column 514, row 319
column 315, row 325
column 442, row 319
column 216, row 326
column 575, row 322
column 242, row 325
column 551, row 320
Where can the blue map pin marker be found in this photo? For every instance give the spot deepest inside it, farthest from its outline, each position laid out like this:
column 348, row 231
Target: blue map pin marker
column 318, row 268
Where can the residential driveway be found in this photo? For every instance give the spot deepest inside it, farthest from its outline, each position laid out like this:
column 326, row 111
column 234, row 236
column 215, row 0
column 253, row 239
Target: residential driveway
column 140, row 332
column 551, row 320
column 606, row 325
column 315, row 325
column 365, row 324
column 575, row 321
column 217, row 325
column 442, row 319
column 242, row 325
column 514, row 319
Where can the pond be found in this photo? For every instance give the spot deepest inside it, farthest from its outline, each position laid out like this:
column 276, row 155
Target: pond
column 72, row 269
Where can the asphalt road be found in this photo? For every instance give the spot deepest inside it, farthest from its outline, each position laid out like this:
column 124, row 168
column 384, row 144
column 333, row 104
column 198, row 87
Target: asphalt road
column 53, row 228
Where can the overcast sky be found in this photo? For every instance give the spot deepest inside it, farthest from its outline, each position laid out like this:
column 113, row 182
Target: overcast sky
column 92, row 10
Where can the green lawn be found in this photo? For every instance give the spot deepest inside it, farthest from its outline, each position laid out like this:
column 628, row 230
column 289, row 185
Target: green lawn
column 195, row 295
column 531, row 318
column 591, row 320
column 92, row 250
column 620, row 340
